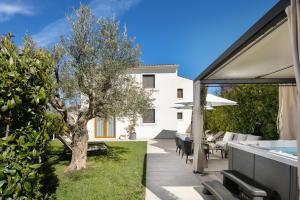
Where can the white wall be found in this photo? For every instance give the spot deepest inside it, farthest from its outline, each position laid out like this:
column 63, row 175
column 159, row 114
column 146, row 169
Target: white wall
column 90, row 127
column 187, row 86
column 165, row 95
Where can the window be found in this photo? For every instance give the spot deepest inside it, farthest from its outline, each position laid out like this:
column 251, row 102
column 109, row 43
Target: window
column 148, row 81
column 179, row 93
column 179, row 115
column 149, row 116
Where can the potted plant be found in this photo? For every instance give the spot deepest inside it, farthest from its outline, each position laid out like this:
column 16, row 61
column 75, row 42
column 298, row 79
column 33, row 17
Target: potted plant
column 131, row 128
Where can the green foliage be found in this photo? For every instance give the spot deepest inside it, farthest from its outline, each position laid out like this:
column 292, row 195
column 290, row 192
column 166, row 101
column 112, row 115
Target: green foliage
column 55, row 124
column 93, row 76
column 93, row 67
column 26, row 83
column 25, row 89
column 21, row 161
column 256, row 112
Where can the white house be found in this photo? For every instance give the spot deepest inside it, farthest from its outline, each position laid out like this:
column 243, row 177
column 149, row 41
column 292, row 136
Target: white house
column 162, row 120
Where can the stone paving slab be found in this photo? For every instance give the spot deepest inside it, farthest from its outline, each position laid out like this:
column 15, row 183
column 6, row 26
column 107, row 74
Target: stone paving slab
column 168, row 177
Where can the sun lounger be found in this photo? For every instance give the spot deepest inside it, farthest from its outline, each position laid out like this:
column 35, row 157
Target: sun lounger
column 230, row 136
column 214, row 137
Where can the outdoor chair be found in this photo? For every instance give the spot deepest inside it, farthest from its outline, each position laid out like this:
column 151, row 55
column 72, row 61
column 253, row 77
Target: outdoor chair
column 206, row 150
column 222, row 145
column 179, row 141
column 178, row 146
column 187, row 149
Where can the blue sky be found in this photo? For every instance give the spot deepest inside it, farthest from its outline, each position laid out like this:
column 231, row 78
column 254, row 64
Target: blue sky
column 191, row 33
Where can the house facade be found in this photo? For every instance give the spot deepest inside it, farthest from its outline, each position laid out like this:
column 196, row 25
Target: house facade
column 160, row 121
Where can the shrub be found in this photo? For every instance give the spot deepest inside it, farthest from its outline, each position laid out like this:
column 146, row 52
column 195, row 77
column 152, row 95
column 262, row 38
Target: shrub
column 22, row 157
column 55, row 124
column 25, row 90
column 256, row 112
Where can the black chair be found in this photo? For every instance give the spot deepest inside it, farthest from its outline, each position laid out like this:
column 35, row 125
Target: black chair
column 187, row 149
column 181, row 143
column 177, row 142
column 206, row 150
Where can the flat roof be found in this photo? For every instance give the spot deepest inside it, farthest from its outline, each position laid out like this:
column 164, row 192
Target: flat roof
column 261, row 55
column 159, row 68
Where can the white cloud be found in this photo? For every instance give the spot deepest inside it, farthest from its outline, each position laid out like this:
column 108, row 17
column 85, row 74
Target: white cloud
column 8, row 10
column 101, row 8
column 51, row 33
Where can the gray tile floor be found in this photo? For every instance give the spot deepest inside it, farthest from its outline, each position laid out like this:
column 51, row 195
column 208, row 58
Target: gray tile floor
column 168, row 177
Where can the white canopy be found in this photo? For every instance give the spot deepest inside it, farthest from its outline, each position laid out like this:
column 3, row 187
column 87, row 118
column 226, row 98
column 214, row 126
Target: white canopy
column 269, row 57
column 267, row 53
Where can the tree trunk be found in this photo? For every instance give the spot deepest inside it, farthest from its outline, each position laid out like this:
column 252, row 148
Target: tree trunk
column 79, row 147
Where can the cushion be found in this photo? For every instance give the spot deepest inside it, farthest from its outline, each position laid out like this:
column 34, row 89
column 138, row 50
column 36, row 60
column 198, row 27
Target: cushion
column 220, row 144
column 209, row 138
column 253, row 137
column 228, row 136
column 240, row 137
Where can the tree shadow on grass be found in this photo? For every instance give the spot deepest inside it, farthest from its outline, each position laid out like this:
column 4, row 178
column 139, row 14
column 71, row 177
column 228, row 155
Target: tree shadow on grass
column 114, row 153
column 63, row 156
column 50, row 181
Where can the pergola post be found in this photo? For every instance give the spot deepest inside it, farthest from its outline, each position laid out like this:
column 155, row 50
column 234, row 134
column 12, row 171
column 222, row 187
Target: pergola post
column 199, row 161
column 293, row 14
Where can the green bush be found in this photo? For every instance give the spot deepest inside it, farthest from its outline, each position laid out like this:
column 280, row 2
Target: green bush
column 256, row 112
column 55, row 124
column 25, row 89
column 21, row 160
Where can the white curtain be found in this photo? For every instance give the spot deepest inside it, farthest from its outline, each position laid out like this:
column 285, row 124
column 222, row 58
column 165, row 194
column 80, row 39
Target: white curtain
column 99, row 127
column 111, row 127
column 199, row 161
column 293, row 13
column 287, row 112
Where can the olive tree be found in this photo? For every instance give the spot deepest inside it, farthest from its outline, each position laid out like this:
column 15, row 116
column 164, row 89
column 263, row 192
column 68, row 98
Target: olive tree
column 93, row 79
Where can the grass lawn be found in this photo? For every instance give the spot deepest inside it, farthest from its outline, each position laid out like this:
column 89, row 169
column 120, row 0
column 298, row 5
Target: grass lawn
column 118, row 175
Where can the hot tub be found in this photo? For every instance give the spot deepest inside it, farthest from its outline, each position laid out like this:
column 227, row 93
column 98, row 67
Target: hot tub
column 271, row 163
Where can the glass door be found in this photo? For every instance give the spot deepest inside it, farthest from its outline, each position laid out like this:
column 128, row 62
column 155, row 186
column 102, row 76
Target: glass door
column 110, row 127
column 104, row 127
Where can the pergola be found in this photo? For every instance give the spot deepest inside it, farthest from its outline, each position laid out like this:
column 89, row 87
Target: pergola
column 268, row 53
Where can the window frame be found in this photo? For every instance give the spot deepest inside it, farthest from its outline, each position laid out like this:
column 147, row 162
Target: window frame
column 149, row 75
column 181, row 115
column 180, row 89
column 150, row 122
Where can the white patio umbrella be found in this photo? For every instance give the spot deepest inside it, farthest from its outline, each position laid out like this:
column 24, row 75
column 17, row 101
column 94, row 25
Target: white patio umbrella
column 214, row 100
column 211, row 101
column 189, row 107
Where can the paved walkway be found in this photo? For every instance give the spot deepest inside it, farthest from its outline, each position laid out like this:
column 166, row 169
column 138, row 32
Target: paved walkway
column 168, row 177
